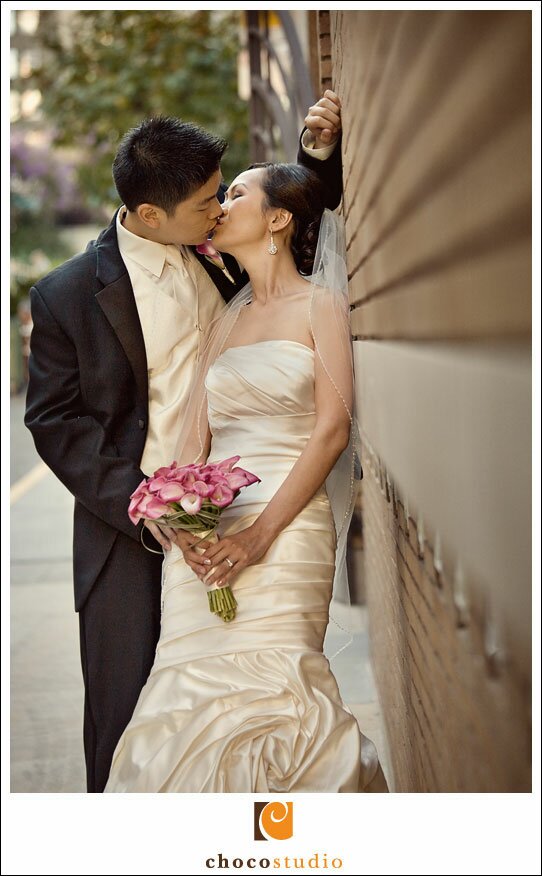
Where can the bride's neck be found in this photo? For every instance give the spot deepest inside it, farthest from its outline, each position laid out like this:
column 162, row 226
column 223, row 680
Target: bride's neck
column 271, row 276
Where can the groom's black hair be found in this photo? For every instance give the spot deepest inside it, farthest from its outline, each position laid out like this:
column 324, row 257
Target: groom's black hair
column 163, row 161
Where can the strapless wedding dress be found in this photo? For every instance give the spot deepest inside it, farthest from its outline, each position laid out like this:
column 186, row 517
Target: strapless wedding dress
column 251, row 705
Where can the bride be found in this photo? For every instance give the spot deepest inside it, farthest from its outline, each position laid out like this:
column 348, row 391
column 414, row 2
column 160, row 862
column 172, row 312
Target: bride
column 252, row 705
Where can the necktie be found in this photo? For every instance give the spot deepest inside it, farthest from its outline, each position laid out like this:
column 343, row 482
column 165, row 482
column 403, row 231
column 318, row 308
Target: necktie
column 182, row 285
column 175, row 259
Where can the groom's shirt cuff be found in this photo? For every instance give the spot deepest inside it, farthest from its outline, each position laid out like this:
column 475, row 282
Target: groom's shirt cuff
column 307, row 142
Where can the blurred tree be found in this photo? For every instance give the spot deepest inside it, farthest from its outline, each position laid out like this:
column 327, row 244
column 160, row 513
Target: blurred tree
column 44, row 192
column 107, row 70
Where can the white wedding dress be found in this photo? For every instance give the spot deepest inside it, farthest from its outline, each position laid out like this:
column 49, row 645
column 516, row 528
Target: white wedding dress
column 251, row 705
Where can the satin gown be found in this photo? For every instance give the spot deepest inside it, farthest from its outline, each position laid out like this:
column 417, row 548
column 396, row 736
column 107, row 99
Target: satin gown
column 251, row 705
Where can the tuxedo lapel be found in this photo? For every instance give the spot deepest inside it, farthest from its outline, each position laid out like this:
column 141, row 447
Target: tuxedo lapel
column 117, row 301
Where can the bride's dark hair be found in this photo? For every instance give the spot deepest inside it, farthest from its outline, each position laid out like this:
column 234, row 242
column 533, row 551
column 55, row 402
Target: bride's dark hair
column 298, row 190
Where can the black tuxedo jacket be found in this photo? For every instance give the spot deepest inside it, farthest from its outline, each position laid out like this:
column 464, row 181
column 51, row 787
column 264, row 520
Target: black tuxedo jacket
column 87, row 401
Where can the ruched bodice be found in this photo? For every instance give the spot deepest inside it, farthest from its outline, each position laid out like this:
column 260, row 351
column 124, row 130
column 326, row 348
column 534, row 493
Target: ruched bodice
column 266, row 379
column 256, row 391
column 251, row 705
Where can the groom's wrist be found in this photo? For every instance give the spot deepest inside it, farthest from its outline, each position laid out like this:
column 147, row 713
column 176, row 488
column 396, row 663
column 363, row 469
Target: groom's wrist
column 315, row 148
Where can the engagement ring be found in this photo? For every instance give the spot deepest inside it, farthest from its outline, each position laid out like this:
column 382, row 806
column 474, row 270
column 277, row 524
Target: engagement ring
column 229, row 562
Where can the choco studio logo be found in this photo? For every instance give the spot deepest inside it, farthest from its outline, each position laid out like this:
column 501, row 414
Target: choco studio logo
column 273, row 821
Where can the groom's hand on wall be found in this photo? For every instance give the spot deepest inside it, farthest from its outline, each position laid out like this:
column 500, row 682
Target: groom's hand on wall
column 324, row 120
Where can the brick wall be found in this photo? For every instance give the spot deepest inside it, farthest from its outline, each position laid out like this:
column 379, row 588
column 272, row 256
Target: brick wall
column 436, row 168
column 456, row 720
column 324, row 50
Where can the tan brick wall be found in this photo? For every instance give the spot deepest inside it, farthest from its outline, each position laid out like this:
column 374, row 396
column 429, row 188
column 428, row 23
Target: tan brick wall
column 324, row 50
column 456, row 721
column 436, row 168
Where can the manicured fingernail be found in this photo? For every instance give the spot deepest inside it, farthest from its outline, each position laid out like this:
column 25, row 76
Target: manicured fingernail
column 207, row 562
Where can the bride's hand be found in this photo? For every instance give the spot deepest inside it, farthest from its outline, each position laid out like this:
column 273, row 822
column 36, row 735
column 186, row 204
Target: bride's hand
column 186, row 541
column 242, row 550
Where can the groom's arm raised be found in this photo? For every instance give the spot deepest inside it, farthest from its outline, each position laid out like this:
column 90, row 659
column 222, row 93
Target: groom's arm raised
column 320, row 147
column 72, row 442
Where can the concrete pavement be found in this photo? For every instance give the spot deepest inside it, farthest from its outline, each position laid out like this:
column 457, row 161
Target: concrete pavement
column 46, row 685
column 46, row 682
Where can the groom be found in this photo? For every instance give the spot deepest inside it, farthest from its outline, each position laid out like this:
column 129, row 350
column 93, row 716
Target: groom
column 117, row 331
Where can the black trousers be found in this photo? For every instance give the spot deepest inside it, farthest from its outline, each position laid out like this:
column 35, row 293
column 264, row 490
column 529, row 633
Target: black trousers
column 119, row 627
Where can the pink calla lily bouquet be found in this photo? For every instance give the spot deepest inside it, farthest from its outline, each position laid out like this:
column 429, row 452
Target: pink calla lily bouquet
column 191, row 497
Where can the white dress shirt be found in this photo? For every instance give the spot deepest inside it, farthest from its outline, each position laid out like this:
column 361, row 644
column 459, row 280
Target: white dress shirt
column 323, row 152
column 176, row 300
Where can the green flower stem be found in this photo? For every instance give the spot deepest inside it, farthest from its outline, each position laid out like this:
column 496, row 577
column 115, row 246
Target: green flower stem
column 223, row 603
column 206, row 519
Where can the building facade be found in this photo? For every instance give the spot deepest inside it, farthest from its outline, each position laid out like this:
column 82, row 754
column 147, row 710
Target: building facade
column 437, row 205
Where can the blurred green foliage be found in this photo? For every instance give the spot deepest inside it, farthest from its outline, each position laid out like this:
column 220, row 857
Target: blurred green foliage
column 103, row 72
column 42, row 196
column 114, row 68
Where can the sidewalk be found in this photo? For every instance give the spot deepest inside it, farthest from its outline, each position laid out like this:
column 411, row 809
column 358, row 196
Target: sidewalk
column 352, row 669
column 46, row 684
column 46, row 681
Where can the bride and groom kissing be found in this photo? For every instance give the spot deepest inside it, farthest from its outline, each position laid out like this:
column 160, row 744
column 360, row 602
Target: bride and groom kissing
column 143, row 351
